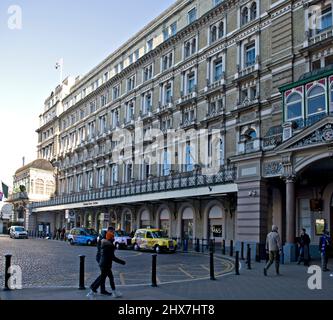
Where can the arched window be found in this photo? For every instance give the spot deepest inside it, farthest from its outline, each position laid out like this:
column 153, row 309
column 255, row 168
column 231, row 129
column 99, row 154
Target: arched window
column 250, row 136
column 294, row 106
column 253, row 11
column 245, row 16
column 316, row 100
column 213, row 34
column 221, row 29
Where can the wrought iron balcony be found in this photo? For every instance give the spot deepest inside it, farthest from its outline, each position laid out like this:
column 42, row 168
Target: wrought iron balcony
column 177, row 181
column 273, row 138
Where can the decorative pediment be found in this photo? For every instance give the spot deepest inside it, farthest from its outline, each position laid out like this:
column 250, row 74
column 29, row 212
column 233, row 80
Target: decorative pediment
column 319, row 133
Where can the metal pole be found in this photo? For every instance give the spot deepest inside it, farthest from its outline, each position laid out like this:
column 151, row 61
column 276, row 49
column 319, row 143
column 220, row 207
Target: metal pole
column 81, row 285
column 237, row 263
column 7, row 274
column 248, row 257
column 223, row 247
column 257, row 252
column 242, row 250
column 231, row 248
column 153, row 271
column 212, row 273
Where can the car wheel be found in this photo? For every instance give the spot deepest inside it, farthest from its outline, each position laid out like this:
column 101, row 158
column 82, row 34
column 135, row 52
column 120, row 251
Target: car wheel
column 89, row 243
column 136, row 247
column 71, row 242
column 157, row 249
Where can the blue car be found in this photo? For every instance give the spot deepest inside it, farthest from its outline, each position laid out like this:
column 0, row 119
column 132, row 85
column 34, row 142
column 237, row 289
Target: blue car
column 83, row 236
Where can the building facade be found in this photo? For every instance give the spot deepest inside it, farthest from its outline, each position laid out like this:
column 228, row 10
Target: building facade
column 214, row 121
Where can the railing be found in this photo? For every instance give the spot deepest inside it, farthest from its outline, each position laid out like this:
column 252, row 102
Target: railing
column 247, row 70
column 18, row 196
column 160, row 184
column 188, row 123
column 325, row 34
column 214, row 113
column 215, row 85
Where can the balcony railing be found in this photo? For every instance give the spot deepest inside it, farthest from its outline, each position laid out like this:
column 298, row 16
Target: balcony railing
column 18, row 196
column 188, row 123
column 325, row 34
column 162, row 184
column 189, row 97
column 216, row 85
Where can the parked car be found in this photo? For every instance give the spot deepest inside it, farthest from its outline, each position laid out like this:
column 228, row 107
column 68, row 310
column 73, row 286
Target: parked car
column 17, row 232
column 82, row 236
column 153, row 239
column 121, row 239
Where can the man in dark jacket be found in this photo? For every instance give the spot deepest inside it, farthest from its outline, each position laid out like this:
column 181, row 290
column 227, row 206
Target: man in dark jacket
column 105, row 256
column 324, row 246
column 304, row 248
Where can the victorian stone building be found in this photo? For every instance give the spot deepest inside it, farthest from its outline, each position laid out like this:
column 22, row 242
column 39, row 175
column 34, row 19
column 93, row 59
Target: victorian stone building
column 254, row 78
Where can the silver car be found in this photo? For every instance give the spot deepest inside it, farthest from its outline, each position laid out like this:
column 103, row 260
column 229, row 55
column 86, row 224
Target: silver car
column 17, row 232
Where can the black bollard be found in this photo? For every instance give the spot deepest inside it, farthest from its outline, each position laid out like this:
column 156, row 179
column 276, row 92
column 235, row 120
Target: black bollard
column 197, row 245
column 153, row 271
column 248, row 257
column 231, row 248
column 223, row 247
column 242, row 250
column 237, row 263
column 81, row 285
column 7, row 274
column 212, row 273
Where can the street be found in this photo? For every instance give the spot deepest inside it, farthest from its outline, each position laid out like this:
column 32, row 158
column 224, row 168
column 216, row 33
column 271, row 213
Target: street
column 51, row 263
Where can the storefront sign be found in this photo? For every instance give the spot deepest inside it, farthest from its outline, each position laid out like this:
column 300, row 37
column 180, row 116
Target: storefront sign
column 217, row 231
column 90, row 203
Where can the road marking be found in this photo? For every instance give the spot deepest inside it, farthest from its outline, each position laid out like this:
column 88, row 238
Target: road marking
column 204, row 267
column 185, row 272
column 122, row 278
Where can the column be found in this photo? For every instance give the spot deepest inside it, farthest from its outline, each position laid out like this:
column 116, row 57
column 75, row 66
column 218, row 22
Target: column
column 290, row 209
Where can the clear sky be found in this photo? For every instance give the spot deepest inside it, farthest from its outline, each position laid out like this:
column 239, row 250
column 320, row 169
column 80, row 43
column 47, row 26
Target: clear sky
column 83, row 32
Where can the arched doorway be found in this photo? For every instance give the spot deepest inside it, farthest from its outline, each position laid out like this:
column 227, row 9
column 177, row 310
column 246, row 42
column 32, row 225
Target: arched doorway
column 164, row 222
column 127, row 218
column 145, row 219
column 215, row 223
column 187, row 223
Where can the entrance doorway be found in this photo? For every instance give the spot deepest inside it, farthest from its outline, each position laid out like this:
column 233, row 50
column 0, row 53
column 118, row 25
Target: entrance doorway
column 187, row 224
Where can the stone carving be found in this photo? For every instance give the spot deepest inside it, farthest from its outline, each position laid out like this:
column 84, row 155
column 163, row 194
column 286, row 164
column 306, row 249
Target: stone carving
column 273, row 168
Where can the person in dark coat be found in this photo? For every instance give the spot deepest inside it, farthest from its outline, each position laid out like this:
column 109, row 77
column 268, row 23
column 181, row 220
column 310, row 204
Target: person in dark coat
column 324, row 247
column 105, row 257
column 304, row 248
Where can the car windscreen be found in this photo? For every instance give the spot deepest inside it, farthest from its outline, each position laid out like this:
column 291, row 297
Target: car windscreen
column 19, row 229
column 91, row 232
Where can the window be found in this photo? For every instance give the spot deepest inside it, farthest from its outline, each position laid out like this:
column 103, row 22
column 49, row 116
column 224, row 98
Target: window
column 137, row 54
column 213, row 34
column 39, row 186
column 130, row 58
column 84, row 92
column 147, row 103
column 90, row 180
column 250, row 54
column 294, row 106
column 149, row 45
column 148, row 73
column 194, row 46
column 191, row 82
column 221, row 29
column 166, row 163
column 165, row 34
column 130, row 111
column 244, row 16
column 82, row 114
column 92, row 106
column 192, row 15
column 188, row 157
column 173, row 28
column 91, row 129
column 253, row 11
column 129, row 172
column 250, row 136
column 167, row 61
column 115, row 118
column 114, row 174
column 218, row 70
column 102, row 124
column 101, row 177
column 216, row 2
column 326, row 18
column 253, row 93
column 316, row 100
column 103, row 100
column 79, row 182
column 168, row 93
column 116, row 92
column 130, row 83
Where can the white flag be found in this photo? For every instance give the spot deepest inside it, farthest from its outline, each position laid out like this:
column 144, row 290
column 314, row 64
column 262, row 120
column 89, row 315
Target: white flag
column 59, row 64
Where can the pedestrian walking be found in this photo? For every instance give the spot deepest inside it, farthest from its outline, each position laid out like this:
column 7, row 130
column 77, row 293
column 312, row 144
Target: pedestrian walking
column 325, row 243
column 273, row 246
column 304, row 248
column 107, row 255
column 62, row 234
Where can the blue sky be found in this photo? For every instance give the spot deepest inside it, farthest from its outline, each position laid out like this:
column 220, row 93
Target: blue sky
column 82, row 32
